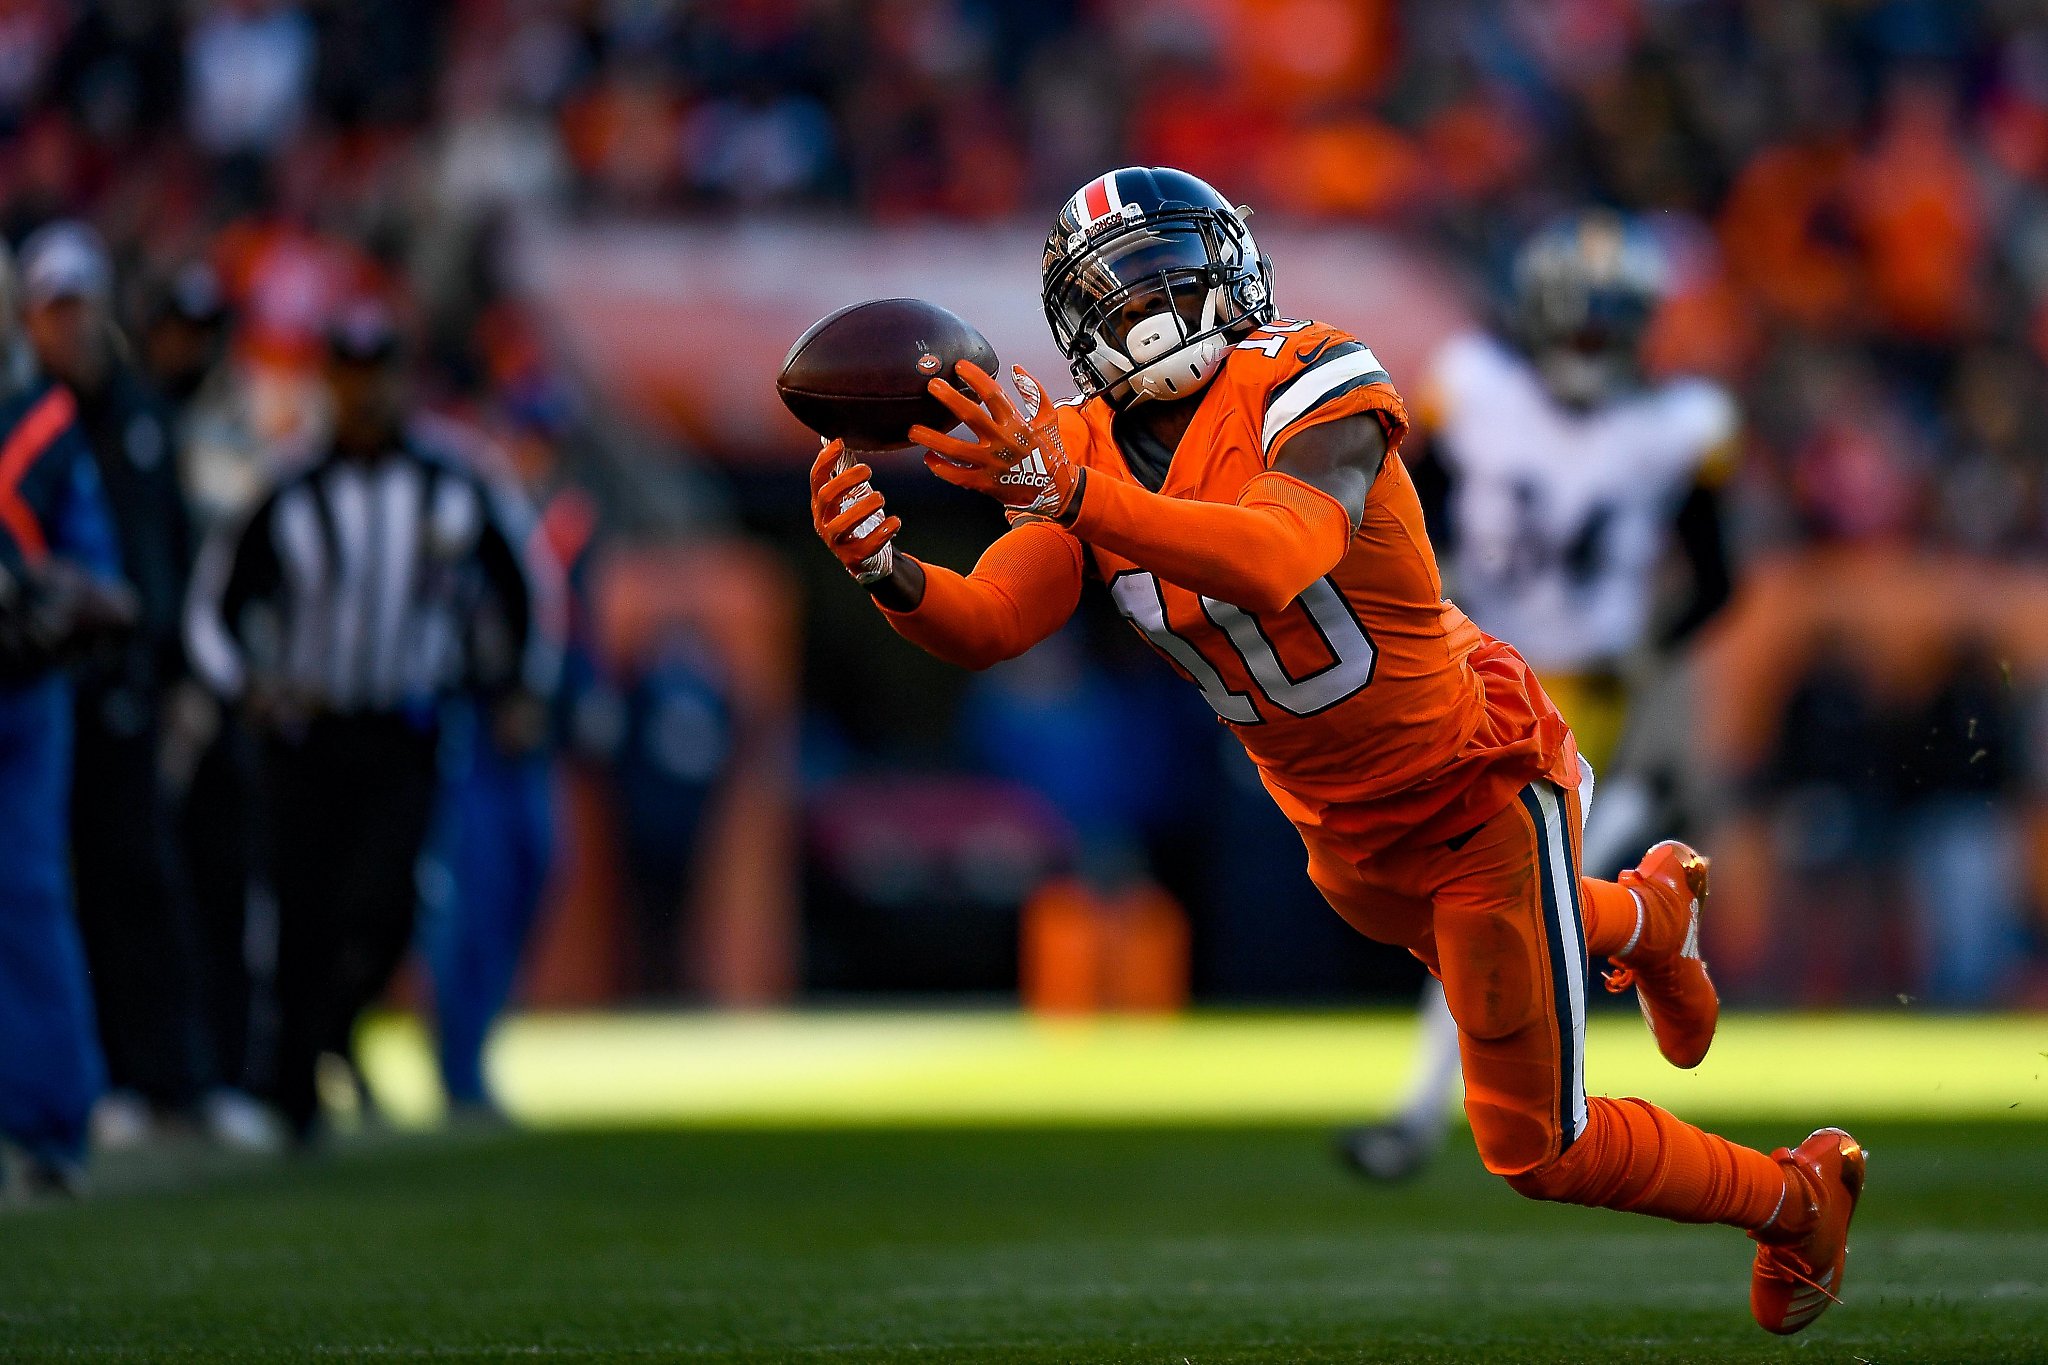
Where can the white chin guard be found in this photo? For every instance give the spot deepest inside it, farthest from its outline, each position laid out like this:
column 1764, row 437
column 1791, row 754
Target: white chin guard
column 1163, row 364
column 1181, row 373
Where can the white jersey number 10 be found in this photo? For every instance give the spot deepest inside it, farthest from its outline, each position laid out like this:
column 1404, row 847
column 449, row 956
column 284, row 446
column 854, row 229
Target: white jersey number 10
column 1139, row 598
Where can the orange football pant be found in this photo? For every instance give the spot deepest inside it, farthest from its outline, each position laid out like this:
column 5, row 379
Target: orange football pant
column 1503, row 918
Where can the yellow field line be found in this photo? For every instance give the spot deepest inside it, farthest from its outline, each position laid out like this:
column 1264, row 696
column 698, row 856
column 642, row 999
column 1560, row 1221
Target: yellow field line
column 1002, row 1067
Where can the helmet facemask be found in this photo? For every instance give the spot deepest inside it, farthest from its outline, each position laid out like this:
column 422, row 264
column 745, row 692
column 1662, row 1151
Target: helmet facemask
column 1147, row 309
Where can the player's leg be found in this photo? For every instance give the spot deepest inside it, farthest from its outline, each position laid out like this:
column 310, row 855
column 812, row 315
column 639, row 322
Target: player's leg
column 1795, row 1273
column 1434, row 1083
column 1656, row 783
column 1512, row 951
column 1616, row 918
column 1402, row 1144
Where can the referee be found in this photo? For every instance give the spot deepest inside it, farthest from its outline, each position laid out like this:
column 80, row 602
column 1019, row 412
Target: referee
column 361, row 592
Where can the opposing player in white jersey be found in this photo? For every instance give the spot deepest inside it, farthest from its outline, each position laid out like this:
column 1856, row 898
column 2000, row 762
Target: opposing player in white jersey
column 1562, row 484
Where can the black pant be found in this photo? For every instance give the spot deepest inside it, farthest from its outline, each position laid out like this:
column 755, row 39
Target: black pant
column 134, row 912
column 219, row 847
column 349, row 806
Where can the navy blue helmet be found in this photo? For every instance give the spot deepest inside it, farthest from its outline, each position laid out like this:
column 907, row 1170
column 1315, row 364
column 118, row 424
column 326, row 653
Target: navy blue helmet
column 1150, row 275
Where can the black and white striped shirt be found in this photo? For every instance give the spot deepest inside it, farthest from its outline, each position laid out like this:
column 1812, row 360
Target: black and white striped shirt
column 366, row 586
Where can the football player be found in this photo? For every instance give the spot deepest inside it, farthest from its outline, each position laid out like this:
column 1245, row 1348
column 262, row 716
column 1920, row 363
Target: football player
column 1563, row 478
column 1228, row 475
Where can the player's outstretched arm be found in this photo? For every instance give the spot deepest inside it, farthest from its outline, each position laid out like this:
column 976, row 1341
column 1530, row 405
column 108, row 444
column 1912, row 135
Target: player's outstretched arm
column 1291, row 525
column 1024, row 588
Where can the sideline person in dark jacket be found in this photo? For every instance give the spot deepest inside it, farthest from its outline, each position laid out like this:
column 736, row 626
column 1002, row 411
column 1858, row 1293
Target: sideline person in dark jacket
column 133, row 906
column 58, row 598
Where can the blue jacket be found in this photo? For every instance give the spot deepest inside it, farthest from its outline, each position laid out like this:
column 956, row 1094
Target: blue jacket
column 51, row 501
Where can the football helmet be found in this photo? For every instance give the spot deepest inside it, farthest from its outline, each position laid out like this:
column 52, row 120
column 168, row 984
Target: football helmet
column 1584, row 290
column 1150, row 275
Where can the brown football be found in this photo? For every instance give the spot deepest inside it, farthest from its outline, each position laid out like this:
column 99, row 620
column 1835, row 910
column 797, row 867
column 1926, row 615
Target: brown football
column 860, row 373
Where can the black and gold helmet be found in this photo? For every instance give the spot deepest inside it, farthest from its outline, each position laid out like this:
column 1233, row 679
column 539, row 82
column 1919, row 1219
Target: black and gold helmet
column 1584, row 292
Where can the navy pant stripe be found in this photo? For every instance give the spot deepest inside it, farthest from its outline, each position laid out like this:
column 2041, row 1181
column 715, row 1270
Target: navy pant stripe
column 1566, row 942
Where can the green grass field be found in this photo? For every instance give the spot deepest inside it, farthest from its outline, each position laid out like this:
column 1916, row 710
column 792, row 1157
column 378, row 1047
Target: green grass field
column 1081, row 1239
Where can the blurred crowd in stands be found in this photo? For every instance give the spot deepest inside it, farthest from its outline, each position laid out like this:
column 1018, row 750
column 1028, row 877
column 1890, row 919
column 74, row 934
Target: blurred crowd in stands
column 1868, row 178
column 1859, row 189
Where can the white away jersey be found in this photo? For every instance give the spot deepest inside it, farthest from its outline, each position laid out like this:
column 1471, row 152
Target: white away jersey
column 1559, row 517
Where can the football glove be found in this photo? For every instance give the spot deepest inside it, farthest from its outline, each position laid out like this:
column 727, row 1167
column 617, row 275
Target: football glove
column 848, row 515
column 1017, row 458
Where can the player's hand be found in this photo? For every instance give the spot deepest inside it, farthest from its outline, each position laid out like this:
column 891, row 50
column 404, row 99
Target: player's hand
column 57, row 614
column 1016, row 458
column 848, row 515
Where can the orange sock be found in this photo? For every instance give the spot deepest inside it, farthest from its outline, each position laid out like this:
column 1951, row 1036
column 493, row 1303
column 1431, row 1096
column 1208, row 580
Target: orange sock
column 1636, row 1157
column 1611, row 915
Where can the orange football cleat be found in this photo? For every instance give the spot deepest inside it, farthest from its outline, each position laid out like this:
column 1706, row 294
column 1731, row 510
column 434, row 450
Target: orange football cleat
column 1678, row 998
column 1793, row 1281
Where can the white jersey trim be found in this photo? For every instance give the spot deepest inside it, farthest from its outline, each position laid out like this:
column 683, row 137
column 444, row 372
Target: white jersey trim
column 1311, row 387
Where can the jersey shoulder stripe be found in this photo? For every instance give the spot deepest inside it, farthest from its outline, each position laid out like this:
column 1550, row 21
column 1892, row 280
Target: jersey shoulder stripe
column 1338, row 370
column 1310, row 360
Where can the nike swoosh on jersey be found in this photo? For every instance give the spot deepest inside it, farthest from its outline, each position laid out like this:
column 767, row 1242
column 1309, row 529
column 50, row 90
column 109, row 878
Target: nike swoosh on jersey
column 1311, row 357
column 1348, row 365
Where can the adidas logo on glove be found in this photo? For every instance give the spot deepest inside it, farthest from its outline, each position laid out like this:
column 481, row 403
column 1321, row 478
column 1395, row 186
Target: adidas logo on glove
column 1028, row 472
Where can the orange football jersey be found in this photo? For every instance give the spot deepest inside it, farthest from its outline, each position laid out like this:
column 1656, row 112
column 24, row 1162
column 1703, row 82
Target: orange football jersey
column 1374, row 709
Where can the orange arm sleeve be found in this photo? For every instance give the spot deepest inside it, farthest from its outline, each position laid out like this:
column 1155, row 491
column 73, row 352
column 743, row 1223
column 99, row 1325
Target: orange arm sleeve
column 1258, row 553
column 1024, row 588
